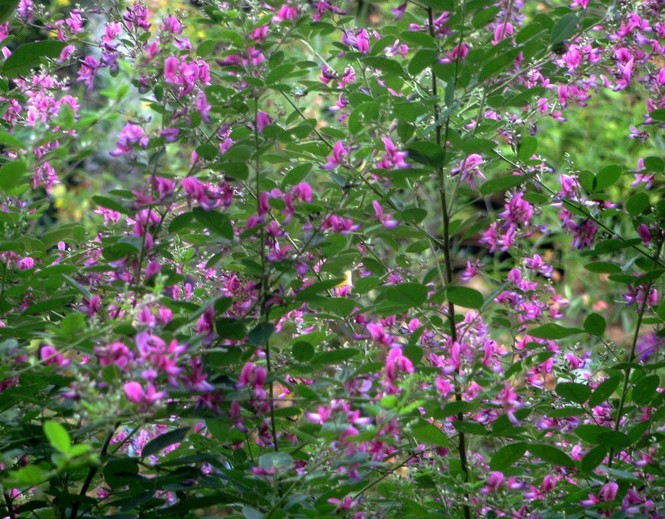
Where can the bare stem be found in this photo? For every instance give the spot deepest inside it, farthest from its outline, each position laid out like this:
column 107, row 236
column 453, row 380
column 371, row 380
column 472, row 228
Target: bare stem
column 442, row 141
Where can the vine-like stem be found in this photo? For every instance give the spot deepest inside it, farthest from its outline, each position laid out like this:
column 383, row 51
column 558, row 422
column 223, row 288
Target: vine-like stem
column 10, row 506
column 264, row 278
column 442, row 142
column 633, row 347
column 91, row 474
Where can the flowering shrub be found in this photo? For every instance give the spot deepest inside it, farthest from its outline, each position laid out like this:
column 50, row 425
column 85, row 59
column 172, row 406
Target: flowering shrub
column 328, row 261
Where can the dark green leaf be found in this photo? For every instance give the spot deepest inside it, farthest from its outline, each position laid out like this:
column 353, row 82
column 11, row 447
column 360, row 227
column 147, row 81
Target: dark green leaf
column 261, row 334
column 335, row 356
column 302, row 351
column 614, row 439
column 161, row 442
column 573, row 392
column 409, row 294
column 29, row 55
column 604, row 390
column 503, row 184
column 426, row 432
column 421, row 60
column 593, row 458
column 606, row 177
column 528, row 146
column 216, row 222
column 428, row 153
column 465, row 296
column 645, row 389
column 506, row 456
column 551, row 454
column 311, row 291
column 595, row 324
column 7, row 8
column 11, row 174
column 638, row 204
column 603, row 267
column 119, row 472
column 553, row 331
column 386, row 65
column 564, row 28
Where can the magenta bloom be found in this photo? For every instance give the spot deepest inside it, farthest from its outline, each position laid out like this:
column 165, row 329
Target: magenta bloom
column 340, row 151
column 130, row 135
column 468, row 170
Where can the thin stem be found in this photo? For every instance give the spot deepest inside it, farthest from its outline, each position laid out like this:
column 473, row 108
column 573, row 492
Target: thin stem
column 382, row 477
column 91, row 474
column 633, row 348
column 442, row 142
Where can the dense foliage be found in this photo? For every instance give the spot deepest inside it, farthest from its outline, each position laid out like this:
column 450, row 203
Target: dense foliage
column 316, row 259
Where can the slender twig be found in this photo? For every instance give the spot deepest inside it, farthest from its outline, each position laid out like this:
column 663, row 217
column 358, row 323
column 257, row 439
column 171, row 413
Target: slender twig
column 76, row 504
column 442, row 142
column 633, row 348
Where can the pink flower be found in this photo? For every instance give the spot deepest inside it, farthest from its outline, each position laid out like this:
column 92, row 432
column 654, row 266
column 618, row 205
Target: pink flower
column 609, row 491
column 262, row 120
column 131, row 134
column 26, row 263
column 171, row 24
column 468, row 169
column 386, row 219
column 340, row 151
column 135, row 393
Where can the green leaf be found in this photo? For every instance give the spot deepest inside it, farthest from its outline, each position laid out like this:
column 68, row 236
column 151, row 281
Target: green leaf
column 426, row 432
column 310, row 292
column 30, row 476
column 528, row 146
column 646, row 389
column 161, row 442
column 216, row 222
column 335, row 356
column 279, row 72
column 302, row 351
column 468, row 427
column 261, row 334
column 604, row 390
column 603, row 267
column 9, row 140
column 564, row 28
column 409, row 294
column 658, row 115
column 573, row 392
column 119, row 472
column 386, row 65
column 614, row 439
column 595, row 325
column 11, row 174
column 551, row 454
column 499, row 63
column 478, row 145
column 57, row 436
column 593, row 458
column 465, row 296
column 29, row 55
column 638, row 204
column 428, row 153
column 506, row 456
column 503, row 184
column 421, row 60
column 7, row 8
column 590, row 432
column 606, row 177
column 655, row 164
column 553, row 331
